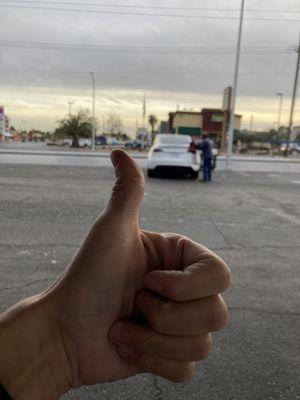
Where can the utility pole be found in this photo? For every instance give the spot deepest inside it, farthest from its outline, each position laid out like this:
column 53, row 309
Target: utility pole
column 279, row 109
column 103, row 124
column 234, row 89
column 294, row 93
column 251, row 123
column 70, row 102
column 94, row 108
column 144, row 111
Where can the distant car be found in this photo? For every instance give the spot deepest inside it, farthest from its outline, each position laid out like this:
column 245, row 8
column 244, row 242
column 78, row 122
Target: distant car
column 134, row 145
column 67, row 142
column 290, row 147
column 174, row 153
column 48, row 142
column 100, row 141
column 84, row 142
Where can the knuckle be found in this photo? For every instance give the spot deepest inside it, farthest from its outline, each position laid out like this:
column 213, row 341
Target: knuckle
column 140, row 184
column 207, row 346
column 218, row 314
column 199, row 348
column 203, row 348
column 185, row 373
column 222, row 274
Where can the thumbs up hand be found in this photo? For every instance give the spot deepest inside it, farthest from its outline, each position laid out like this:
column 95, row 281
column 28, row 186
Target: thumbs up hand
column 130, row 301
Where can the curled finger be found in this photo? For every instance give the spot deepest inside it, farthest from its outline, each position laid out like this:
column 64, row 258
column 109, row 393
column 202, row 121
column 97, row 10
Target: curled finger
column 173, row 370
column 142, row 339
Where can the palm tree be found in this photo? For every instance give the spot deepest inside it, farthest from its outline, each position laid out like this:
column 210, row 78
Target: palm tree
column 75, row 126
column 153, row 122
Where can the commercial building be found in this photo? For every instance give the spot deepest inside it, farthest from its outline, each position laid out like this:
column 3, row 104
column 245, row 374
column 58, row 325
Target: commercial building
column 212, row 121
column 4, row 126
column 164, row 127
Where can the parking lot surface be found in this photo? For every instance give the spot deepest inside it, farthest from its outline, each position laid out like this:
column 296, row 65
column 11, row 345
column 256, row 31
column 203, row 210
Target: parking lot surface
column 252, row 220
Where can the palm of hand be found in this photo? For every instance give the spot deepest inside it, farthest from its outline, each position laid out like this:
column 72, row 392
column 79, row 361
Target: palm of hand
column 103, row 292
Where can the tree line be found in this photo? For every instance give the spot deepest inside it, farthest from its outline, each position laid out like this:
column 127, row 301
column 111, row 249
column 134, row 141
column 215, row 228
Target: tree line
column 80, row 125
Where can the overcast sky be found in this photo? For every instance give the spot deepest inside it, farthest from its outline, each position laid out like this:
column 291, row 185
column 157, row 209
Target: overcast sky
column 186, row 60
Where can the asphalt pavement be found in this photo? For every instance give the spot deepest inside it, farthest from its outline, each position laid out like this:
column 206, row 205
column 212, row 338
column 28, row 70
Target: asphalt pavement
column 252, row 220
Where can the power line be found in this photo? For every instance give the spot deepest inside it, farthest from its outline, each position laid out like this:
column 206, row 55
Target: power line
column 122, row 72
column 147, row 47
column 109, row 74
column 118, row 46
column 138, row 6
column 142, row 14
column 162, row 50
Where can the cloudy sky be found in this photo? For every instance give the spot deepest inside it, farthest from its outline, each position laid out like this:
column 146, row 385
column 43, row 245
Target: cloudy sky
column 180, row 53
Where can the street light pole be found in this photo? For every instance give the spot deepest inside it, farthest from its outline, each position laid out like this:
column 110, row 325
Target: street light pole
column 251, row 124
column 94, row 109
column 144, row 111
column 294, row 93
column 234, row 89
column 70, row 107
column 280, row 108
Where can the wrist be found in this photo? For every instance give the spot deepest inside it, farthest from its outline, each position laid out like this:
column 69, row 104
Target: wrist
column 33, row 361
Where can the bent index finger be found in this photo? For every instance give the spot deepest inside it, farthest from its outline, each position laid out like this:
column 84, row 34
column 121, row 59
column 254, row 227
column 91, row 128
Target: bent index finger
column 206, row 276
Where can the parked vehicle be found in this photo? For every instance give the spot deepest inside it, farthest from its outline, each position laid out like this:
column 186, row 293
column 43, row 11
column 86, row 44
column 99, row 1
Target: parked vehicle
column 85, row 142
column 100, row 141
column 133, row 144
column 66, row 142
column 174, row 153
column 290, row 148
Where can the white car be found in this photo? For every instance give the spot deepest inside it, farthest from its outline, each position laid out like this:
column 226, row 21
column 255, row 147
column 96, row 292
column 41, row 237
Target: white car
column 171, row 152
column 84, row 142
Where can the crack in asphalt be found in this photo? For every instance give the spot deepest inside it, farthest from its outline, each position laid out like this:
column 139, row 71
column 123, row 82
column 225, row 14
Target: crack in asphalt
column 226, row 239
column 263, row 311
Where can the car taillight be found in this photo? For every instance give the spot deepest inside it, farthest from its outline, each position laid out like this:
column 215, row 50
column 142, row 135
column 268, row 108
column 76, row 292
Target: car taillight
column 157, row 150
column 192, row 148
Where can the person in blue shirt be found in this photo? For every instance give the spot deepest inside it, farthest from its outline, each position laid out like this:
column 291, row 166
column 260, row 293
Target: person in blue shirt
column 206, row 147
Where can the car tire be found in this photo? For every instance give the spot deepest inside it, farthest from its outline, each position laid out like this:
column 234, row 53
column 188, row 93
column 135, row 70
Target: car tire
column 151, row 173
column 194, row 174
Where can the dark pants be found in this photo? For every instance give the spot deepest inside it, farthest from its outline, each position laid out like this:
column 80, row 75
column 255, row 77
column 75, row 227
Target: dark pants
column 206, row 169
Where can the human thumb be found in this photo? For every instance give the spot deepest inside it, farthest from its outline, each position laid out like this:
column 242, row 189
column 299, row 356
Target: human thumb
column 128, row 190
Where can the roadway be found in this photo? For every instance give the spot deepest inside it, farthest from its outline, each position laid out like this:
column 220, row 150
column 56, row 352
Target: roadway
column 251, row 219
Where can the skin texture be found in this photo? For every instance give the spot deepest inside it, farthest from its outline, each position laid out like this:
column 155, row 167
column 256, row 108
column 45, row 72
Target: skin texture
column 130, row 301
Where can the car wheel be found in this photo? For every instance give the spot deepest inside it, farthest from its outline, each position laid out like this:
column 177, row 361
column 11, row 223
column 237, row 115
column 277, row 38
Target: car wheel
column 194, row 174
column 151, row 173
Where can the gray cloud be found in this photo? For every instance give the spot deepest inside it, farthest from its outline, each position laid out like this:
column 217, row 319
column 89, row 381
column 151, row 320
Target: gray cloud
column 144, row 68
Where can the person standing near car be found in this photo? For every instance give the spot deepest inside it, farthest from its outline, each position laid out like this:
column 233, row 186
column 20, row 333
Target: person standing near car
column 206, row 147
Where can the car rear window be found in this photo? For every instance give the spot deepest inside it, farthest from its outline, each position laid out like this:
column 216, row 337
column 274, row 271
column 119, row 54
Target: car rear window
column 174, row 139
